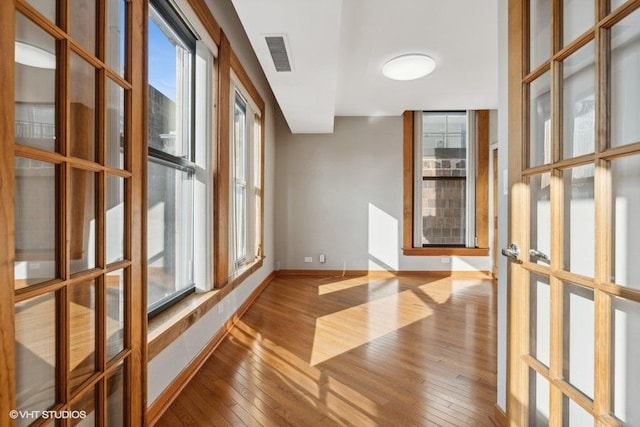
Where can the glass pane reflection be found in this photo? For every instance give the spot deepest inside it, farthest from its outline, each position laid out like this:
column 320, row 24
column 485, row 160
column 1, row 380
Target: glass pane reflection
column 115, row 398
column 540, row 120
column 540, row 32
column 577, row 17
column 579, row 102
column 82, row 322
column 115, row 141
column 115, row 218
column 540, row 216
column 625, row 86
column 579, row 220
column 82, row 23
column 115, row 312
column 579, row 337
column 35, row 86
column 625, row 236
column 82, row 227
column 626, row 353
column 35, row 222
column 82, row 95
column 35, row 354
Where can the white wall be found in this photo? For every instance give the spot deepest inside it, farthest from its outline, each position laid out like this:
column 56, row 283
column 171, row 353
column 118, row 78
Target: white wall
column 341, row 195
column 173, row 359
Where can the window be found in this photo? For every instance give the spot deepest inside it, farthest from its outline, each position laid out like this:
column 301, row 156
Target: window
column 441, row 180
column 171, row 149
column 246, row 180
column 445, row 182
column 240, row 177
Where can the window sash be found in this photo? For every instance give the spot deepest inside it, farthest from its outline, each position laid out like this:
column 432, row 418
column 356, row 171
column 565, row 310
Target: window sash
column 470, row 159
column 175, row 118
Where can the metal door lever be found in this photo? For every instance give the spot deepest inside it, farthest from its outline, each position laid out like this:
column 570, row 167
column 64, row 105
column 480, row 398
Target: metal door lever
column 512, row 252
column 540, row 255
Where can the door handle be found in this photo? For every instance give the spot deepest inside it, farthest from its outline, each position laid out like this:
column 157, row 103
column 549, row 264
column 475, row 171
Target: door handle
column 512, row 252
column 539, row 255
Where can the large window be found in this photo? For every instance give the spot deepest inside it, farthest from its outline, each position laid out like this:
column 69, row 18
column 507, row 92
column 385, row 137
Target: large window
column 442, row 218
column 179, row 179
column 445, row 182
column 246, row 180
column 240, row 177
column 171, row 168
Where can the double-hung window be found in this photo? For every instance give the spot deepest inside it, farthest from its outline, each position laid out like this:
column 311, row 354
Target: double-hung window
column 246, row 179
column 240, row 172
column 445, row 202
column 444, row 187
column 171, row 157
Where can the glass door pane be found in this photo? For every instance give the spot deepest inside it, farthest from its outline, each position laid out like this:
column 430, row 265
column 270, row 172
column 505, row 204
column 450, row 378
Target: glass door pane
column 579, row 220
column 625, row 357
column 577, row 17
column 540, row 218
column 579, row 102
column 540, row 121
column 625, row 234
column 538, row 400
column 35, row 88
column 579, row 337
column 540, row 318
column 625, row 86
column 539, row 32
column 36, row 219
column 573, row 415
column 36, row 354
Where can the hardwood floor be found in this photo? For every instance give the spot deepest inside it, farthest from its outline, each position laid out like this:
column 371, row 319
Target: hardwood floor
column 363, row 351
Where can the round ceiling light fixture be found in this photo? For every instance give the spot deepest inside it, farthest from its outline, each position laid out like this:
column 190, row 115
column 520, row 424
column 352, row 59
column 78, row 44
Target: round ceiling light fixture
column 409, row 67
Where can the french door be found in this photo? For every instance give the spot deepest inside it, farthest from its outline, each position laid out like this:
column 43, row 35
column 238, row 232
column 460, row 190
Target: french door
column 574, row 284
column 70, row 263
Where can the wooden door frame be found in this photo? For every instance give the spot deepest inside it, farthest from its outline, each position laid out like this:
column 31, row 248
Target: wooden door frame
column 517, row 387
column 134, row 390
column 7, row 221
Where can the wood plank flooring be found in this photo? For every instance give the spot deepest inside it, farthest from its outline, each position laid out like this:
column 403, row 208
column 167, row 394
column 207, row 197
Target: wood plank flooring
column 360, row 351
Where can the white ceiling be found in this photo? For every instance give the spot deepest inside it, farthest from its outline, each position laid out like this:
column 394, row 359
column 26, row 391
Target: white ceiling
column 337, row 49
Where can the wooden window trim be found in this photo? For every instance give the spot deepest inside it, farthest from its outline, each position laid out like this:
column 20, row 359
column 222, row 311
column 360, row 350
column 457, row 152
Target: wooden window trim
column 228, row 61
column 482, row 195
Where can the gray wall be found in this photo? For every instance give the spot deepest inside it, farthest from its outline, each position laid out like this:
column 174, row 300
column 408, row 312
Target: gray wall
column 173, row 359
column 341, row 195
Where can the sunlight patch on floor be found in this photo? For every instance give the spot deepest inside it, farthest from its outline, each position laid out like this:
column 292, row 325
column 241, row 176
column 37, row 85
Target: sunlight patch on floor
column 343, row 284
column 310, row 382
column 440, row 291
column 339, row 332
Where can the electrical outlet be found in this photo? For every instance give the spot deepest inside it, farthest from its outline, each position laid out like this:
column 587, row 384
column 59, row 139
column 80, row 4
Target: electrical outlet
column 322, row 258
column 308, row 259
column 445, row 260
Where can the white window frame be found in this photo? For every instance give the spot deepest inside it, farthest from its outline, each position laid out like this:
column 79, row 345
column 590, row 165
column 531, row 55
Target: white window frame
column 251, row 182
column 203, row 144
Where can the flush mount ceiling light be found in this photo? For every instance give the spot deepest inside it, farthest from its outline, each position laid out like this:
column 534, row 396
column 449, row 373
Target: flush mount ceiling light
column 34, row 56
column 409, row 67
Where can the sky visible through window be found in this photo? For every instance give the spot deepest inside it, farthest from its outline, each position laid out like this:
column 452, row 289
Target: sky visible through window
column 162, row 62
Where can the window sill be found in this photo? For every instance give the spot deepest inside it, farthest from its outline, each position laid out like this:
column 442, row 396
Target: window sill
column 445, row 251
column 164, row 328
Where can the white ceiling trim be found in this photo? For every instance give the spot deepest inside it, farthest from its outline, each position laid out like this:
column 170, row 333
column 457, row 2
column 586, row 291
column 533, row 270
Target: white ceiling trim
column 307, row 94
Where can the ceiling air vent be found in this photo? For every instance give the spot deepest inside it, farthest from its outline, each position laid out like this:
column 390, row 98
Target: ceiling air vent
column 278, row 51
